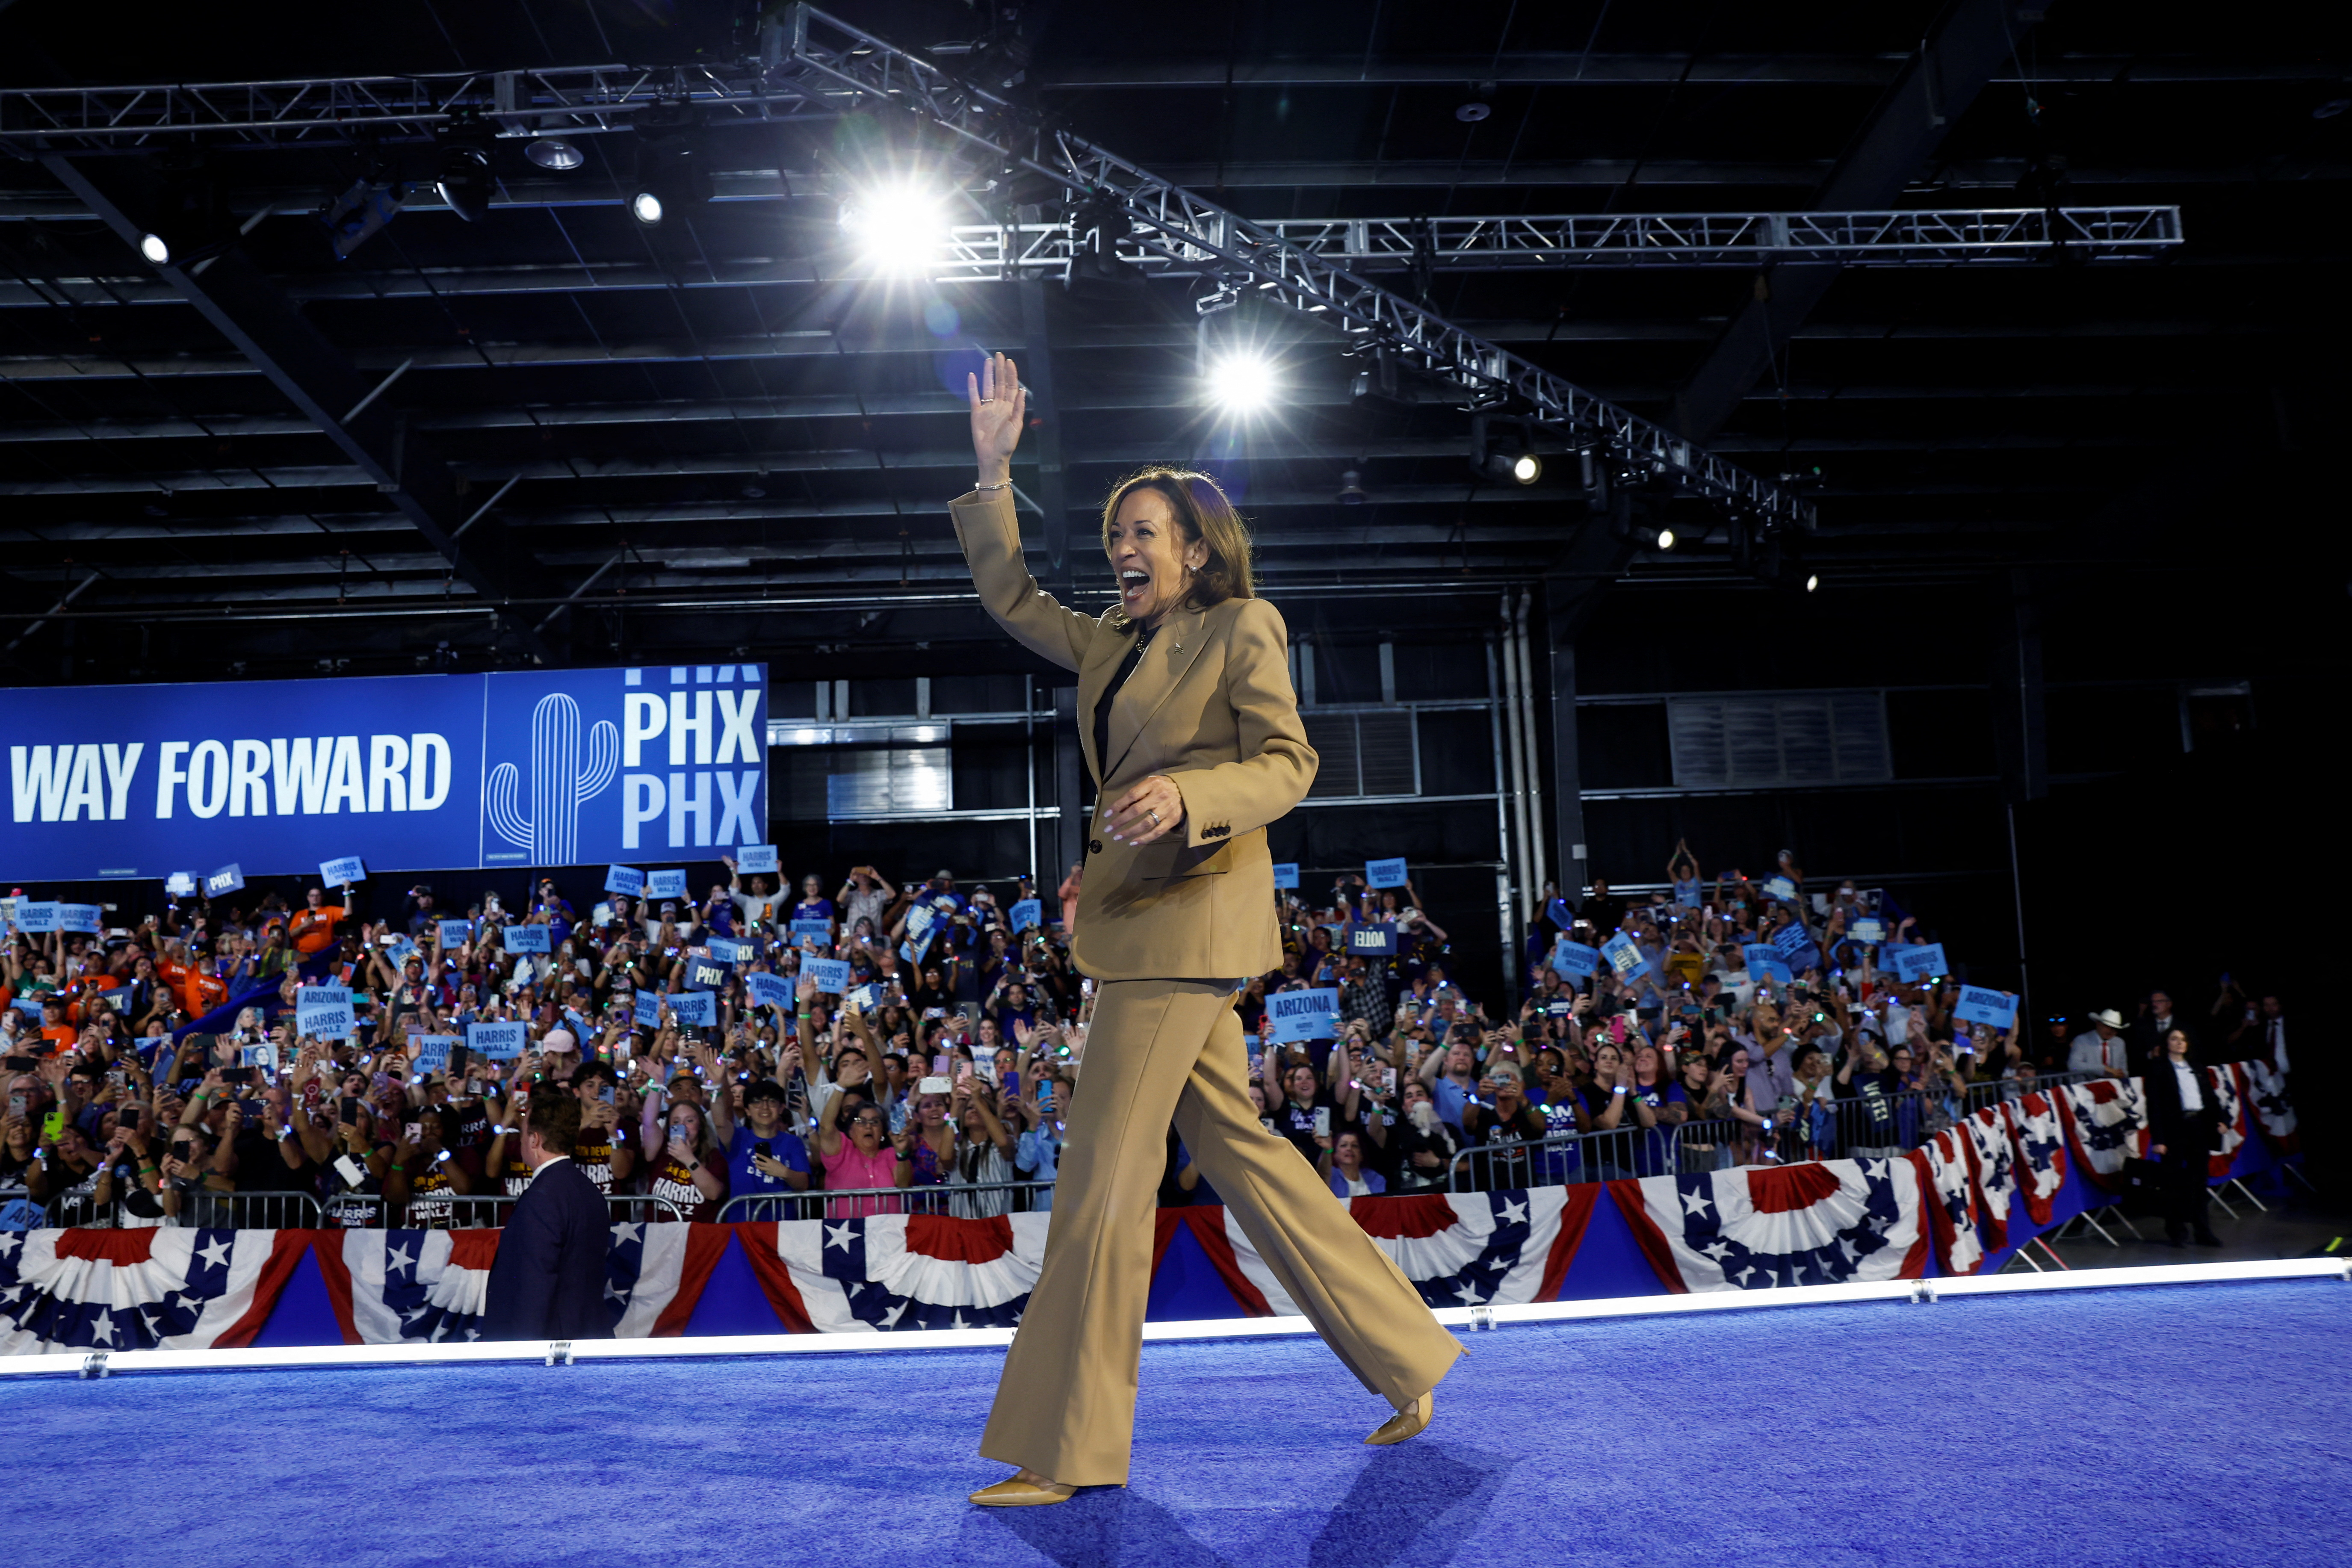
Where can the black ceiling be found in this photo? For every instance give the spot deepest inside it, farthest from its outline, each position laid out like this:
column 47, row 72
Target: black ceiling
column 720, row 445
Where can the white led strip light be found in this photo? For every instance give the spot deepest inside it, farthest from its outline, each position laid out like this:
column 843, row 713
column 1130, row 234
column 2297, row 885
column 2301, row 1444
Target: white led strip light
column 77, row 1362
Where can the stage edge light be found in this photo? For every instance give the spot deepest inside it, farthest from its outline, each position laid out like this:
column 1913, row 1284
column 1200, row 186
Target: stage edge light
column 55, row 1362
column 156, row 249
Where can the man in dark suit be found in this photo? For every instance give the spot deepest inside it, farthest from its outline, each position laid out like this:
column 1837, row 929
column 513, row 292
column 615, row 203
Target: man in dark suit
column 548, row 1282
column 2184, row 1125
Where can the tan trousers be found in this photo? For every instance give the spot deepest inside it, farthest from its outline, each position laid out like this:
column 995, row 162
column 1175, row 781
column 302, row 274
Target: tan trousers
column 1157, row 1048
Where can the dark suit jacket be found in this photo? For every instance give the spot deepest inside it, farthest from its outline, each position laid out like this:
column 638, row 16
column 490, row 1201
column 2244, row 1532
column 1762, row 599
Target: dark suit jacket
column 548, row 1282
column 2197, row 1131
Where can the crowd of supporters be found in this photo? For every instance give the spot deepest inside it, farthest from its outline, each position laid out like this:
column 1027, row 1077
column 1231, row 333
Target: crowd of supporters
column 156, row 1074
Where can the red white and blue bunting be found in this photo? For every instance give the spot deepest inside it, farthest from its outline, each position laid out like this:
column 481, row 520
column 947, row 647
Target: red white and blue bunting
column 2106, row 1124
column 1762, row 1226
column 1948, row 1176
column 2266, row 1091
column 1994, row 1169
column 2040, row 1136
column 139, row 1289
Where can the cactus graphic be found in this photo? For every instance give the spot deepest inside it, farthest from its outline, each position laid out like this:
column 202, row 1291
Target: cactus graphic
column 558, row 784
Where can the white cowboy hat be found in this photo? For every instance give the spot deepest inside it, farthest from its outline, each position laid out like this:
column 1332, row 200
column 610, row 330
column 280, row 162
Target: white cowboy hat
column 2110, row 1017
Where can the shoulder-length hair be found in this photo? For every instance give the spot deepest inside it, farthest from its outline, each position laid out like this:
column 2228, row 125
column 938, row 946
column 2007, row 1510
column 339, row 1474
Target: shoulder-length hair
column 1206, row 517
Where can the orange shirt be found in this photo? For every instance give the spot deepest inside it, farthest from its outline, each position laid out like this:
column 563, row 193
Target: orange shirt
column 200, row 994
column 314, row 930
column 62, row 1035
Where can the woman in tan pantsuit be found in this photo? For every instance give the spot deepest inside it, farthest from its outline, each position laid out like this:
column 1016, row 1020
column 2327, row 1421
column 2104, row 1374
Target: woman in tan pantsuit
column 1189, row 723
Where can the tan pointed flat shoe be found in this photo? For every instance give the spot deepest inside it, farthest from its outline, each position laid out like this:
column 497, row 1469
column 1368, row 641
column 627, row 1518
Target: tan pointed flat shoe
column 1018, row 1493
column 1406, row 1423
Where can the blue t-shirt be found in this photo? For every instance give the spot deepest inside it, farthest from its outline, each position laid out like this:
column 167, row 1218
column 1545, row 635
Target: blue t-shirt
column 743, row 1177
column 1450, row 1097
column 812, row 910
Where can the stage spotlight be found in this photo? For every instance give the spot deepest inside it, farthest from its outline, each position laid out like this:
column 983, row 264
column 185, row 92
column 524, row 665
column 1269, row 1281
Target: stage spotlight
column 1242, row 383
column 464, row 180
column 1526, row 467
column 897, row 227
column 671, row 176
column 1665, row 539
column 1501, row 457
column 1812, row 581
column 1351, row 488
column 554, row 152
column 156, row 249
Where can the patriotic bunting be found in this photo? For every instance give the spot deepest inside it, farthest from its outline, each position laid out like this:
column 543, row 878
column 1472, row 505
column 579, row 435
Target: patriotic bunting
column 2266, row 1091
column 2104, row 1123
column 1764, row 1225
column 2040, row 1139
column 1948, row 1176
column 2228, row 1091
column 1995, row 1168
column 139, row 1290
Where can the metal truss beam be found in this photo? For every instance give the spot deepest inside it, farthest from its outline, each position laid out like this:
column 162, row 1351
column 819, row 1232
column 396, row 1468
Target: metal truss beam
column 1558, row 242
column 843, row 64
column 235, row 296
column 814, row 66
column 1969, row 41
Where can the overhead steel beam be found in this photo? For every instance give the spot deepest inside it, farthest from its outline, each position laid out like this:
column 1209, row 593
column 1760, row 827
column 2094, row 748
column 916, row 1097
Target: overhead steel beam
column 241, row 302
column 1968, row 44
column 836, row 63
column 1533, row 68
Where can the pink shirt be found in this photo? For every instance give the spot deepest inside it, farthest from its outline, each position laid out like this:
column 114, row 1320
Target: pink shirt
column 851, row 1169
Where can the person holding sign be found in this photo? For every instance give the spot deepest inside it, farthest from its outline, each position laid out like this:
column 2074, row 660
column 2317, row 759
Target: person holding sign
column 312, row 928
column 1190, row 726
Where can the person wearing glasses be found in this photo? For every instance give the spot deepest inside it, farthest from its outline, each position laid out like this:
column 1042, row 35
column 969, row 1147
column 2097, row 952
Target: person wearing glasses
column 857, row 1154
column 1191, row 729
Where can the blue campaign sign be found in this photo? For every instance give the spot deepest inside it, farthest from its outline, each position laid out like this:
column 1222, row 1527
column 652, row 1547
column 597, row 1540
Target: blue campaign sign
column 1782, row 888
column 1384, row 873
column 624, row 879
column 36, row 915
column 1868, row 928
column 80, row 918
column 666, row 884
column 180, row 885
column 495, row 1042
column 1921, row 960
column 1624, row 956
column 1981, row 1004
column 1373, row 941
column 1027, row 913
column 831, row 974
column 1574, row 959
column 769, row 990
column 705, row 974
column 28, row 1005
column 1286, row 874
column 524, row 939
column 756, row 858
column 1766, row 962
column 228, row 879
column 540, row 767
column 323, row 1012
column 648, row 1010
column 454, row 934
column 432, row 1052
column 918, row 920
column 342, row 871
column 1792, row 940
column 823, row 930
column 727, row 949
column 695, row 1009
column 1302, row 1014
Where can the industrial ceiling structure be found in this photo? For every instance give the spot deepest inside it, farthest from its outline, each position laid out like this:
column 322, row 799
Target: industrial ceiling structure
column 339, row 340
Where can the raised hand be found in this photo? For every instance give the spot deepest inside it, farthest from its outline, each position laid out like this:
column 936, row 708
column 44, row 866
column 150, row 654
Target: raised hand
column 1000, row 405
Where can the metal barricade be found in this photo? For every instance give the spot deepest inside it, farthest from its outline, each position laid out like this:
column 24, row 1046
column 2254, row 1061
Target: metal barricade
column 1562, row 1159
column 961, row 1200
column 477, row 1211
column 199, row 1210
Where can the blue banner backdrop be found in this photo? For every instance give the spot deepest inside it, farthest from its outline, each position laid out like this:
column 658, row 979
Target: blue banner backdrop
column 418, row 773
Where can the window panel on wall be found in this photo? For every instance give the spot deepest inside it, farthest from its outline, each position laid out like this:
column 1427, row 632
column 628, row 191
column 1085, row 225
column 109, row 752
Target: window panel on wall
column 889, row 780
column 1746, row 743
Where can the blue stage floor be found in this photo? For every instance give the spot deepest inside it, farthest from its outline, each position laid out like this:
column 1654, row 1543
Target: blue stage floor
column 2172, row 1425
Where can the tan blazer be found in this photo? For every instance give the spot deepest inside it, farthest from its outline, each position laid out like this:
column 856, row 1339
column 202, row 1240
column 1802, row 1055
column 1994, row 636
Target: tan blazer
column 1211, row 709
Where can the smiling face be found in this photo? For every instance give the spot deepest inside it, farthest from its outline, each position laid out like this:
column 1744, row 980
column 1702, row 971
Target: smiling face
column 1150, row 555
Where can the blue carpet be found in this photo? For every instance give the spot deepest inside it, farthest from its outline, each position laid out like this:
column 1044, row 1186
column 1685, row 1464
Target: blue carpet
column 2184, row 1425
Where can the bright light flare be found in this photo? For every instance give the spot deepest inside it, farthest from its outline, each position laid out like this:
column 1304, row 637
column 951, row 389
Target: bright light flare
column 1812, row 581
column 898, row 228
column 646, row 208
column 1526, row 467
column 157, row 251
column 1244, row 382
column 1665, row 539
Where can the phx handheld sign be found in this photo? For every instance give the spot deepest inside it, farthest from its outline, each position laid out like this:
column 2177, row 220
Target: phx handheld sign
column 417, row 773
